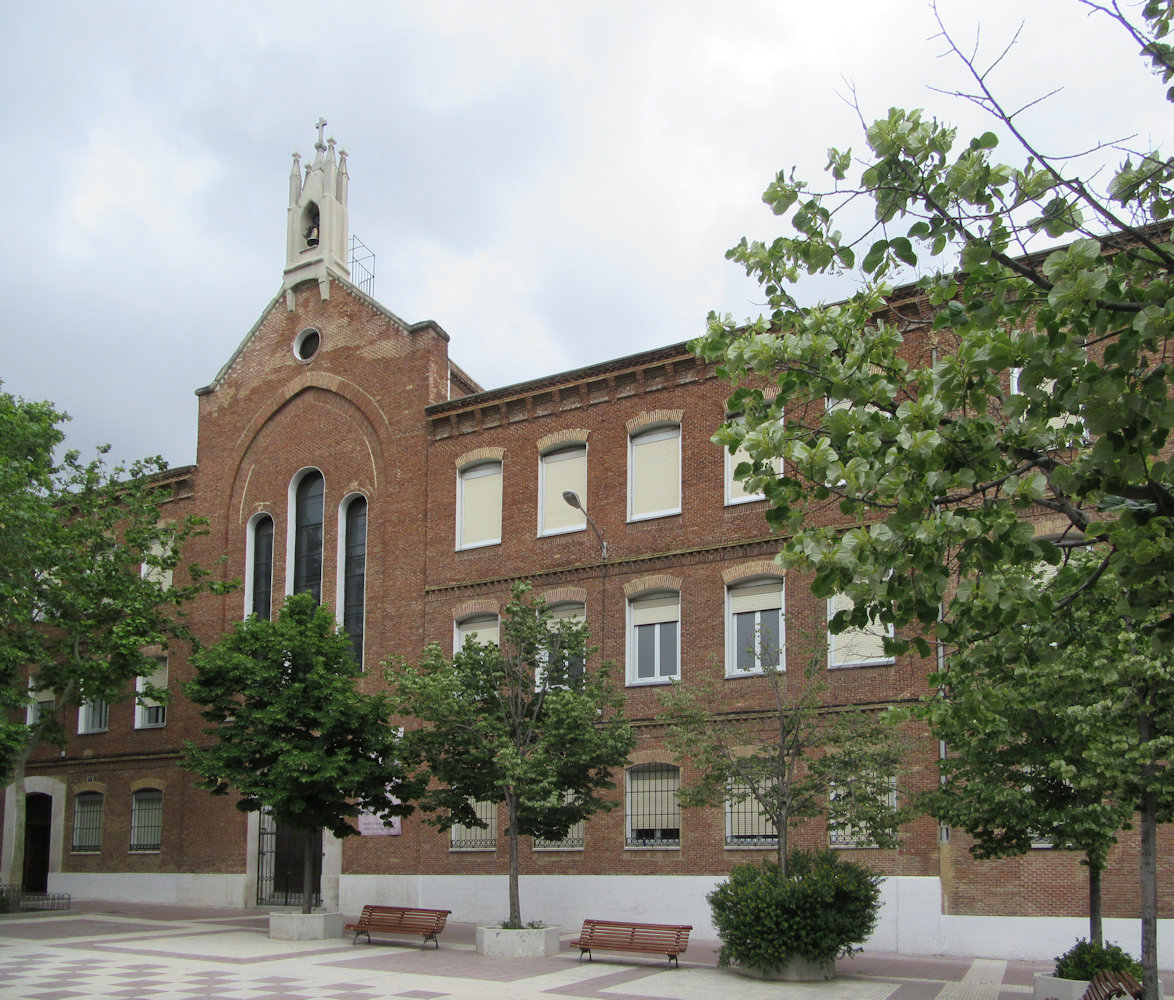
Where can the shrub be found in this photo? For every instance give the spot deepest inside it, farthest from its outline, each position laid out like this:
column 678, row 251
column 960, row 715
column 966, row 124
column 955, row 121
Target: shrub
column 1085, row 959
column 818, row 911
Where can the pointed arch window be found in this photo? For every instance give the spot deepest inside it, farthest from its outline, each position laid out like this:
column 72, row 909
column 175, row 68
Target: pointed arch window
column 307, row 561
column 354, row 584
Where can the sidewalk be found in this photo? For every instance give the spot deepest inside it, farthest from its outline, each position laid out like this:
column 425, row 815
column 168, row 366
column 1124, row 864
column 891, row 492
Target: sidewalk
column 152, row 952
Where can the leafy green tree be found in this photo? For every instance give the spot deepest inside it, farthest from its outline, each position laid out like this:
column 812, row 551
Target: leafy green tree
column 793, row 762
column 88, row 588
column 1026, row 380
column 518, row 724
column 290, row 729
column 1018, row 739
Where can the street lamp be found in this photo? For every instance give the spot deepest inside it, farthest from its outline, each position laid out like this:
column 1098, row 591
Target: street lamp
column 572, row 499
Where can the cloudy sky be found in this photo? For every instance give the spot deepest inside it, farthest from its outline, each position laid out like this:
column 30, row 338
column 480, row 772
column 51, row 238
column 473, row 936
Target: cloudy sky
column 555, row 183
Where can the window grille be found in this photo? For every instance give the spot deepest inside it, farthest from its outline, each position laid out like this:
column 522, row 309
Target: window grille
column 573, row 841
column 146, row 820
column 846, row 835
column 475, row 838
column 654, row 814
column 746, row 826
column 87, row 823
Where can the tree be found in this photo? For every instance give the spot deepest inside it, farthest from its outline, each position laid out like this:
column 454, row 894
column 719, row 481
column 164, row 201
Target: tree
column 1028, row 380
column 518, row 724
column 291, row 731
column 1015, row 775
column 87, row 589
column 794, row 762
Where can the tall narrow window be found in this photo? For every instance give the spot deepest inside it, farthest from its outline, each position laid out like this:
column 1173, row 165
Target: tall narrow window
column 654, row 473
column 654, row 814
column 261, row 576
column 754, row 628
column 479, row 505
column 654, row 653
column 560, row 471
column 146, row 820
column 307, row 575
column 355, row 574
column 87, row 823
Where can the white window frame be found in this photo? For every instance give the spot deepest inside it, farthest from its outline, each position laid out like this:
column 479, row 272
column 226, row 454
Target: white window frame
column 251, row 559
column 479, row 626
column 478, row 470
column 634, row 613
column 93, row 716
column 564, row 610
column 37, row 701
column 555, row 515
column 150, row 714
column 766, row 586
column 836, row 643
column 164, row 577
column 735, row 493
column 648, row 436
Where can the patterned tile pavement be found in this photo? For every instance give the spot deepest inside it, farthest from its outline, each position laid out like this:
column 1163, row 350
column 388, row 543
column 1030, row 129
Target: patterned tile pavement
column 148, row 952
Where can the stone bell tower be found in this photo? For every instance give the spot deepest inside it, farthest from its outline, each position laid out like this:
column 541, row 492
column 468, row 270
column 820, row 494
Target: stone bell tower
column 316, row 226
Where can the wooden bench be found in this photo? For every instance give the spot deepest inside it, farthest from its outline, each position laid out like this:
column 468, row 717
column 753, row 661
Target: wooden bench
column 1105, row 985
column 400, row 920
column 619, row 935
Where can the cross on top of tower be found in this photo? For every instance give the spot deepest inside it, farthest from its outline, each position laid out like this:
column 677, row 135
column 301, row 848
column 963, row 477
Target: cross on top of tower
column 320, row 125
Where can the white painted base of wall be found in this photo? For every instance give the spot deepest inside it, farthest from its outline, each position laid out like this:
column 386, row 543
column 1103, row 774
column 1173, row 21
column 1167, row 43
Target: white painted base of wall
column 911, row 919
column 177, row 888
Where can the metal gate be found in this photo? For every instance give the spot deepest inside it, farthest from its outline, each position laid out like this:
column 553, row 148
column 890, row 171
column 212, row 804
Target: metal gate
column 279, row 864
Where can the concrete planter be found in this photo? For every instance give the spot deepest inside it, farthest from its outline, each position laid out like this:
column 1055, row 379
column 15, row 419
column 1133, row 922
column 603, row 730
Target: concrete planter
column 285, row 925
column 798, row 970
column 527, row 942
column 1054, row 988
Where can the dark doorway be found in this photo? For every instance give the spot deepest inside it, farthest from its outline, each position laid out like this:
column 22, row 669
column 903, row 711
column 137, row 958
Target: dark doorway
column 38, row 826
column 279, row 864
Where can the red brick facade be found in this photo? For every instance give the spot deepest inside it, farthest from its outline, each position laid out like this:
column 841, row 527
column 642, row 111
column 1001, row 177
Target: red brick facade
column 371, row 411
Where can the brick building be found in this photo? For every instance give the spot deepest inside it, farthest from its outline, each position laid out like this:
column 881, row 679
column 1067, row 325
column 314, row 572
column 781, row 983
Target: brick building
column 341, row 450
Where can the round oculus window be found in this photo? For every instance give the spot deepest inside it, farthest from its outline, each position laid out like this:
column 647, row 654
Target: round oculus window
column 307, row 344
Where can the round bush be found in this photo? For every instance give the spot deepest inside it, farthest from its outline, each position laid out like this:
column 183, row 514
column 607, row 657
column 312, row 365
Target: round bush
column 818, row 911
column 1085, row 959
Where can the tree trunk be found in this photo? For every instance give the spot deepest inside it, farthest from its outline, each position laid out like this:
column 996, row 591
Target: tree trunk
column 781, row 844
column 1095, row 933
column 308, row 842
column 511, row 801
column 1148, row 808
